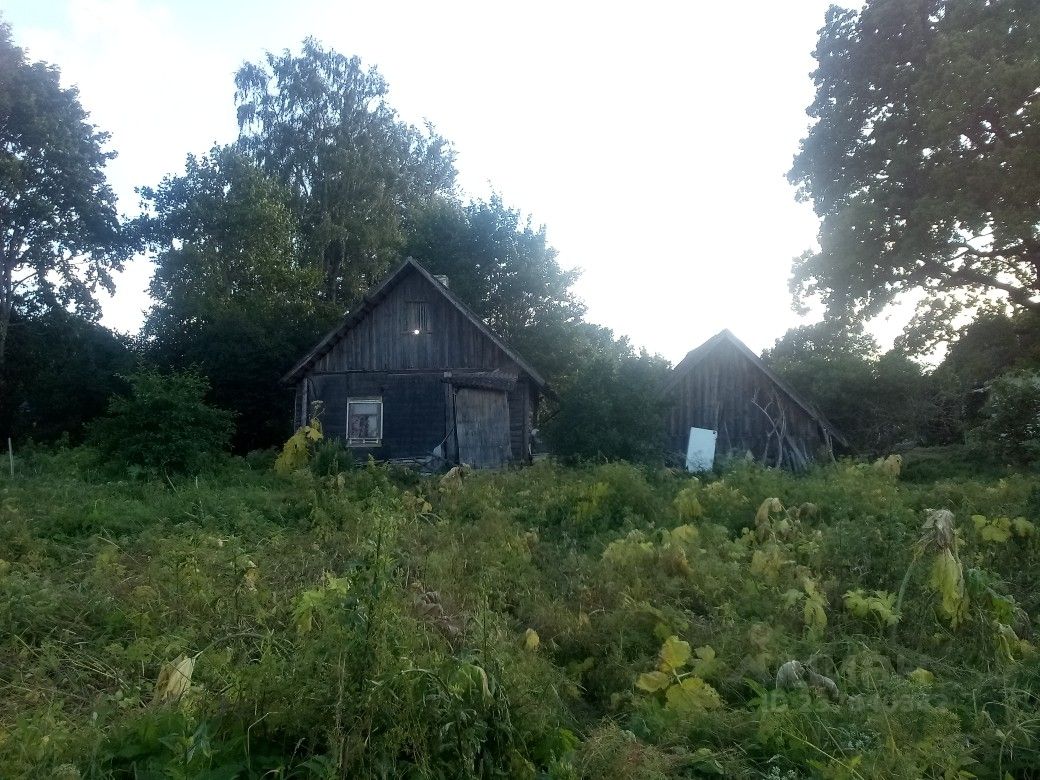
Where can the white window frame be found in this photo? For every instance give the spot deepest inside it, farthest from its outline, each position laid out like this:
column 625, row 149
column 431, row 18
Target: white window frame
column 369, row 442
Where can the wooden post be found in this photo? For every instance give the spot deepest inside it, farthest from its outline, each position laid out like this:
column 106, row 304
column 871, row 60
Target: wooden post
column 10, row 455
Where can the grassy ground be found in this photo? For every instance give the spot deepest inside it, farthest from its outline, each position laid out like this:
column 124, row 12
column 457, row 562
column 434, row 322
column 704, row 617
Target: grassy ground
column 597, row 622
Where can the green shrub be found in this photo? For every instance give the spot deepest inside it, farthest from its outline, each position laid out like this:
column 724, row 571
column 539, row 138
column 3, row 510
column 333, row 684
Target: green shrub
column 1011, row 423
column 331, row 457
column 163, row 426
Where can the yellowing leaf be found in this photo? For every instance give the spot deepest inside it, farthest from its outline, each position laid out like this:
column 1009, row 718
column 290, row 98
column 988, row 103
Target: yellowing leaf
column 686, row 534
column 174, row 679
column 814, row 615
column 922, row 676
column 879, row 604
column 767, row 562
column 891, row 465
column 531, row 640
column 692, row 695
column 1022, row 527
column 470, row 677
column 705, row 653
column 687, row 504
column 813, row 611
column 674, row 654
column 653, row 681
column 947, row 578
column 767, row 507
column 996, row 530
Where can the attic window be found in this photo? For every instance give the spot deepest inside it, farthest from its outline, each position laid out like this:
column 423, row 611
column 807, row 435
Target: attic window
column 417, row 318
column 364, row 422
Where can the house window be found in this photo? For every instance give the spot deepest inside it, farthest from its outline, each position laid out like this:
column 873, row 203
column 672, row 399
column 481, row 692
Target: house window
column 417, row 318
column 364, row 422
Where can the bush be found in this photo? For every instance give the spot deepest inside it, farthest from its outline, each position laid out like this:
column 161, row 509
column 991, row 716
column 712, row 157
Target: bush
column 163, row 426
column 610, row 407
column 1012, row 417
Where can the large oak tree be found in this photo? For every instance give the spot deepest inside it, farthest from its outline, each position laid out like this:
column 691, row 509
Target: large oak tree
column 923, row 163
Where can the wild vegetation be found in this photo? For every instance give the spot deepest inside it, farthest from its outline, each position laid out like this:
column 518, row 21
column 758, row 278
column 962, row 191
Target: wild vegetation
column 168, row 609
column 598, row 621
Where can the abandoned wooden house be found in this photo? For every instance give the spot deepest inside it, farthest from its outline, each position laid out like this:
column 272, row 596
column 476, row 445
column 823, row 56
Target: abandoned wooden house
column 723, row 400
column 413, row 375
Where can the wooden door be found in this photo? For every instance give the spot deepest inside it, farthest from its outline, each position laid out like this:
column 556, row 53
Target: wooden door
column 482, row 426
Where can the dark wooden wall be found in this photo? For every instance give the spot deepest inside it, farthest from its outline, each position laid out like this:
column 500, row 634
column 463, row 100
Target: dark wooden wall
column 721, row 392
column 378, row 357
column 380, row 341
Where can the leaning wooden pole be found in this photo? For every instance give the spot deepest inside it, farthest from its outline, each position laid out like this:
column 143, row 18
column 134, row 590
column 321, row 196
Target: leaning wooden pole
column 10, row 455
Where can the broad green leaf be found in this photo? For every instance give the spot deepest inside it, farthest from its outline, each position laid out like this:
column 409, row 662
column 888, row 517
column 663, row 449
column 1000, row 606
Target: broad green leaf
column 996, row 530
column 653, row 681
column 692, row 695
column 705, row 664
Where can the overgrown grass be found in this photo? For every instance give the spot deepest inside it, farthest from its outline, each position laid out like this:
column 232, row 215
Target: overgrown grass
column 604, row 621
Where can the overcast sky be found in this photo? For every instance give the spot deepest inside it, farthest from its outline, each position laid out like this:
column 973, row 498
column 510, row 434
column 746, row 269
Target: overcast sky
column 651, row 138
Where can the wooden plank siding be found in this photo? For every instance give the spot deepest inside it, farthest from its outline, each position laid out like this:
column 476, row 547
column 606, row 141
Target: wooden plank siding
column 482, row 420
column 727, row 392
column 416, row 375
column 379, row 342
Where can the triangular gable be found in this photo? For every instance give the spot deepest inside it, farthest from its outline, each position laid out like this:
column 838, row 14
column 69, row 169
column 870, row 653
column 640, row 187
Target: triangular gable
column 372, row 298
column 696, row 355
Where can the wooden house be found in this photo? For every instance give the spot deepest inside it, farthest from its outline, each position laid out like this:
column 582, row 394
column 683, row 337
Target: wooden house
column 723, row 386
column 413, row 375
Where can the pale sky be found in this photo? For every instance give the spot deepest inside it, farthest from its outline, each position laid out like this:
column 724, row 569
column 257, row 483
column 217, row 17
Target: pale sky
column 651, row 138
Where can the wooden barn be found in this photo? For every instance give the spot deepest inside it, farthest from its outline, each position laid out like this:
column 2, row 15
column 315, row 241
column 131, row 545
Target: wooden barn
column 413, row 375
column 724, row 387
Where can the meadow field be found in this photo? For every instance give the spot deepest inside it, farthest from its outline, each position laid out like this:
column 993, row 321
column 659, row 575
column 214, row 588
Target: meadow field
column 551, row 621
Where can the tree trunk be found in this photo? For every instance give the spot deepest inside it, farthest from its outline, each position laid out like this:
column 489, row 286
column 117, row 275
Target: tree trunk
column 6, row 307
column 6, row 406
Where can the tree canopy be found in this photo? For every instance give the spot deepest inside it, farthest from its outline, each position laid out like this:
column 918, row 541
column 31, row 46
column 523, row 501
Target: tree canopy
column 922, row 162
column 320, row 124
column 60, row 234
column 876, row 400
column 59, row 231
column 610, row 404
column 233, row 298
column 62, row 369
column 505, row 269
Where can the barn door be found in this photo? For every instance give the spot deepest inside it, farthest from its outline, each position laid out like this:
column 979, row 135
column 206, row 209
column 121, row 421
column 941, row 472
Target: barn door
column 482, row 425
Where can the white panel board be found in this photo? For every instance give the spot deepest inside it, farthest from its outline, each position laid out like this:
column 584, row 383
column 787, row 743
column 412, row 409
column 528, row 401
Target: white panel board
column 700, row 451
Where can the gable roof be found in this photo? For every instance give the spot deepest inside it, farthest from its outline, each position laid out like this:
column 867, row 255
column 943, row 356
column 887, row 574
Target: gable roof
column 696, row 355
column 374, row 296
